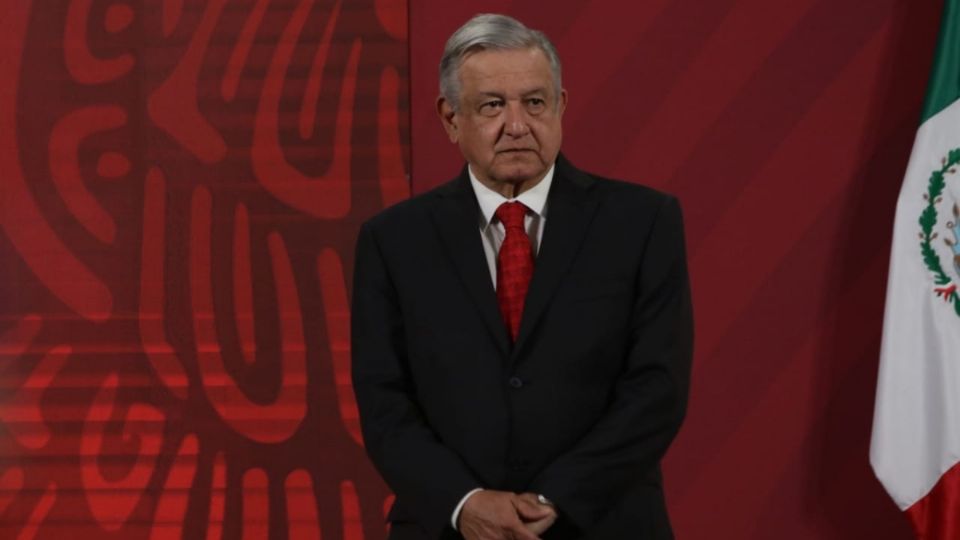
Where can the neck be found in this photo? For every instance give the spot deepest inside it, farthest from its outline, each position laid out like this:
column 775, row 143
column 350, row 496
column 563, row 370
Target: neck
column 511, row 190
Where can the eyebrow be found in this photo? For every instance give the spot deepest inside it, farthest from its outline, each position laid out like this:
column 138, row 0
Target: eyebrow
column 528, row 93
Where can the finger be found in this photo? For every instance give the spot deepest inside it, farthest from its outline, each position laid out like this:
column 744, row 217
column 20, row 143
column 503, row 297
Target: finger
column 540, row 526
column 518, row 531
column 535, row 499
column 522, row 534
column 529, row 510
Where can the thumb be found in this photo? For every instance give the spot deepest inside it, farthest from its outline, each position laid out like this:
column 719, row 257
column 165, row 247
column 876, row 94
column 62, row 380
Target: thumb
column 531, row 511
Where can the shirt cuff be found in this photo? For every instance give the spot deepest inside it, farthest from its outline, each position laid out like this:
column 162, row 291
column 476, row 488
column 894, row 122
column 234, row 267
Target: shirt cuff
column 456, row 511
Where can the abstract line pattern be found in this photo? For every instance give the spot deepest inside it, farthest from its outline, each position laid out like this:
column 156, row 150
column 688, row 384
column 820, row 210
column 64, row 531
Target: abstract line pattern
column 182, row 183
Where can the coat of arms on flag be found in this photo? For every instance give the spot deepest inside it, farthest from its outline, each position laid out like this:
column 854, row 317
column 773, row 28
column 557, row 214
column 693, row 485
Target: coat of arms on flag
column 938, row 198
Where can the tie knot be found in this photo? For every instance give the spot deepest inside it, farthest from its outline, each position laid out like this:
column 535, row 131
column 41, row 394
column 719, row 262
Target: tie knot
column 511, row 214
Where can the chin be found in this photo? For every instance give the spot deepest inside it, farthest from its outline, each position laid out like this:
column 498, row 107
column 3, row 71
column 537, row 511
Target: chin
column 518, row 175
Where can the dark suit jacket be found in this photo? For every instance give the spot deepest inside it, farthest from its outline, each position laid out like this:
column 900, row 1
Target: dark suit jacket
column 585, row 403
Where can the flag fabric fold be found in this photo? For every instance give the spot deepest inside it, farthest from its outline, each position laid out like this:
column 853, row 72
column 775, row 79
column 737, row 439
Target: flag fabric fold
column 915, row 446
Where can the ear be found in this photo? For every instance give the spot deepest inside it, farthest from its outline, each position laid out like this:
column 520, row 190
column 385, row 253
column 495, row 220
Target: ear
column 448, row 117
column 562, row 102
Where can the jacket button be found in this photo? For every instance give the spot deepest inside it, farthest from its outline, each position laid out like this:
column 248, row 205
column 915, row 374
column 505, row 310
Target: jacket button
column 516, row 382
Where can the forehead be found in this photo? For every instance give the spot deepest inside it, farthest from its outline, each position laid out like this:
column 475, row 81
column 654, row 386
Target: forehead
column 499, row 71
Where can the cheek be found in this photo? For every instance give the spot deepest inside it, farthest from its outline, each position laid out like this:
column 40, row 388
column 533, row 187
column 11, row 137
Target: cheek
column 549, row 135
column 476, row 145
column 490, row 132
column 482, row 138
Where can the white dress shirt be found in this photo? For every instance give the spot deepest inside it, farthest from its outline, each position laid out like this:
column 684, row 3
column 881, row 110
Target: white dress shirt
column 492, row 233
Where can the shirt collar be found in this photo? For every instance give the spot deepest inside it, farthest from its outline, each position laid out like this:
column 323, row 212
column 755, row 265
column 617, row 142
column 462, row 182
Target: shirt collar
column 534, row 198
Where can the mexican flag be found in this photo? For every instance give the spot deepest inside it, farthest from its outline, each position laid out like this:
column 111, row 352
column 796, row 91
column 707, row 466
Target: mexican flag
column 915, row 448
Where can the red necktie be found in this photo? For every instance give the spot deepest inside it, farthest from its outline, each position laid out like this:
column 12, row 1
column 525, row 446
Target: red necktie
column 514, row 265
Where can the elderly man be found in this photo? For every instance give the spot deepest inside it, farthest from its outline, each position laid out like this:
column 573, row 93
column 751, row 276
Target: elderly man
column 521, row 335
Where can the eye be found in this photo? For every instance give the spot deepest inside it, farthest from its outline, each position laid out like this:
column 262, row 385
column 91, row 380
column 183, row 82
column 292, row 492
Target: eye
column 536, row 105
column 491, row 108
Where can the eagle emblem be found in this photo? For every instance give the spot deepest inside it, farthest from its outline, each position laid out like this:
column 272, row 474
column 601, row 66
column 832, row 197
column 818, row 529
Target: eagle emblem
column 945, row 284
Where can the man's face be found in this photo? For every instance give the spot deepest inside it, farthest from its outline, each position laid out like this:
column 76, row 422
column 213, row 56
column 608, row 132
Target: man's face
column 508, row 120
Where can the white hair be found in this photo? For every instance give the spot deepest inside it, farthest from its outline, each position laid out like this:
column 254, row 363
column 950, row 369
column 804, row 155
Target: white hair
column 490, row 31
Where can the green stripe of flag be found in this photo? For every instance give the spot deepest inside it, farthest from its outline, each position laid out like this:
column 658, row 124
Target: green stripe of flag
column 944, row 86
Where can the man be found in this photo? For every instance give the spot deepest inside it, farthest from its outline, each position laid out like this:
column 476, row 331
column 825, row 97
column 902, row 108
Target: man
column 521, row 335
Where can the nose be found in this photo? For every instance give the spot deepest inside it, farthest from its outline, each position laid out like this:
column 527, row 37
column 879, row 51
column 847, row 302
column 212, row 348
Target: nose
column 515, row 121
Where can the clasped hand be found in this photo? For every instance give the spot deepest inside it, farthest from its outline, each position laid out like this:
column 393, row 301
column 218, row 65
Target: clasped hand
column 501, row 515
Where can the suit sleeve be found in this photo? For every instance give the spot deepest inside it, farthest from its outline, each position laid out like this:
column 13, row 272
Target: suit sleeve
column 427, row 476
column 650, row 395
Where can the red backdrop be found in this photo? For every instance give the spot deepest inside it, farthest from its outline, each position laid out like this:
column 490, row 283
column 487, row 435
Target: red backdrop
column 182, row 183
column 182, row 186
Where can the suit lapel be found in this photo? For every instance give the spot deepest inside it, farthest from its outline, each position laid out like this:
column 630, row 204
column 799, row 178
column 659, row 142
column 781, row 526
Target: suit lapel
column 456, row 219
column 570, row 208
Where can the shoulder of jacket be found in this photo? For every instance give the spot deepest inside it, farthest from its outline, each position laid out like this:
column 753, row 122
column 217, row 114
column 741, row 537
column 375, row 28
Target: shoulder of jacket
column 405, row 212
